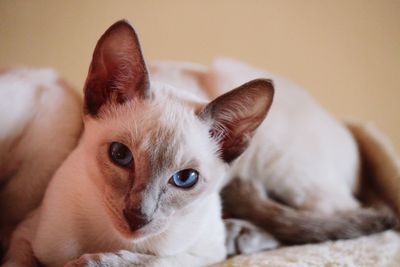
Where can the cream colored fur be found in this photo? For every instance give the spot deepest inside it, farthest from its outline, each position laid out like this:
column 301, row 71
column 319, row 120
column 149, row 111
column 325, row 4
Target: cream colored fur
column 300, row 153
column 296, row 145
column 378, row 250
column 74, row 204
column 40, row 124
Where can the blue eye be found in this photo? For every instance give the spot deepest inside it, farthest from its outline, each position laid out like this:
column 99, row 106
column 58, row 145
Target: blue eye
column 184, row 178
column 120, row 154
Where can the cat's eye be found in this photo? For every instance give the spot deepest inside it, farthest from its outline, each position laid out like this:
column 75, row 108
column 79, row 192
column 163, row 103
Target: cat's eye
column 185, row 178
column 120, row 154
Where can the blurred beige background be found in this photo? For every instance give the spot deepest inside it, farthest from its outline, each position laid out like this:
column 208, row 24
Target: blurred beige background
column 346, row 53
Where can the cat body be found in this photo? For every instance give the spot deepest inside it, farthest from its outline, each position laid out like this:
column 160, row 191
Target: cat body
column 40, row 124
column 184, row 239
column 299, row 143
column 300, row 155
column 100, row 210
column 142, row 186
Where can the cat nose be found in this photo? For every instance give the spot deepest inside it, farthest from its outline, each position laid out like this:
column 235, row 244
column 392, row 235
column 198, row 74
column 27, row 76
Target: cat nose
column 135, row 218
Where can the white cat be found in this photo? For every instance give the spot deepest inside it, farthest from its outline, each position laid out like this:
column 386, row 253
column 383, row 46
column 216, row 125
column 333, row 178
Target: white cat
column 300, row 154
column 142, row 186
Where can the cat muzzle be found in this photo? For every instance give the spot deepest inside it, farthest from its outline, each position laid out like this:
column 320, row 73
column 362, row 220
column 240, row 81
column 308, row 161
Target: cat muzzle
column 135, row 219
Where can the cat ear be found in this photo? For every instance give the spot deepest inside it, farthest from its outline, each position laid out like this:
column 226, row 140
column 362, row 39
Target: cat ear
column 117, row 72
column 236, row 115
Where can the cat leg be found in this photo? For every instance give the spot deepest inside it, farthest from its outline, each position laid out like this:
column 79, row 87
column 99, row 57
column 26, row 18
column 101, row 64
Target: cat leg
column 208, row 248
column 20, row 253
column 323, row 198
column 120, row 258
column 127, row 258
column 329, row 203
column 243, row 237
column 38, row 110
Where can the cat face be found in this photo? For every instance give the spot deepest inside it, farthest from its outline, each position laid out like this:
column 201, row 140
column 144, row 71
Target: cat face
column 152, row 156
column 150, row 164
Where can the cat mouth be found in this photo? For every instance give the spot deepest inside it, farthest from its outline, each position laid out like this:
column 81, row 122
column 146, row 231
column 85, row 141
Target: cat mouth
column 135, row 220
column 126, row 222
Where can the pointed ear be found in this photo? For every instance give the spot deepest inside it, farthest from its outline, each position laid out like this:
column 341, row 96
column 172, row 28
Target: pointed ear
column 236, row 115
column 117, row 72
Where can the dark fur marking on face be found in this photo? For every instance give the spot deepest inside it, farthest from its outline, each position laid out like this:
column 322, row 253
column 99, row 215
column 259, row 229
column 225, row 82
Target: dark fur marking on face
column 117, row 178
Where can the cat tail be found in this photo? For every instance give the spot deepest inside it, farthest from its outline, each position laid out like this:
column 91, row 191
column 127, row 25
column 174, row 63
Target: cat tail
column 380, row 187
column 293, row 226
column 380, row 164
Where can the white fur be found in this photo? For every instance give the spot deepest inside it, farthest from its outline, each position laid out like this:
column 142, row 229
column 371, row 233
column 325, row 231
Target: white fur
column 74, row 203
column 86, row 228
column 300, row 152
column 40, row 124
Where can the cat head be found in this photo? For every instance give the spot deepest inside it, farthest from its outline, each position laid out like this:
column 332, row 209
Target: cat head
column 153, row 156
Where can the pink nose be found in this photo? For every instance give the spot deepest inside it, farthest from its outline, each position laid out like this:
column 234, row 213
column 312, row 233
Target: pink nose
column 135, row 218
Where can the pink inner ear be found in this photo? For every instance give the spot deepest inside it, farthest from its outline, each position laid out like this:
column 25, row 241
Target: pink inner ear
column 117, row 72
column 235, row 135
column 237, row 114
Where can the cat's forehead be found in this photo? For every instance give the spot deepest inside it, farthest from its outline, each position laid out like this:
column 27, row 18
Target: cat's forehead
column 176, row 137
column 165, row 129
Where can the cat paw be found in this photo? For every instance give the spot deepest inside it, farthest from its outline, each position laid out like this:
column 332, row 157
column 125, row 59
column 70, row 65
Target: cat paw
column 85, row 260
column 120, row 258
column 242, row 237
column 239, row 195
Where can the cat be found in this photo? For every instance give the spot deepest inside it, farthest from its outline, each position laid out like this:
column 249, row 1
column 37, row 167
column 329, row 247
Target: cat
column 305, row 159
column 135, row 190
column 296, row 145
column 40, row 124
column 142, row 186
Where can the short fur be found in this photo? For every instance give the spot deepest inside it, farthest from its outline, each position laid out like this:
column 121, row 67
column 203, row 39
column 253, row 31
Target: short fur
column 93, row 211
column 300, row 155
column 40, row 124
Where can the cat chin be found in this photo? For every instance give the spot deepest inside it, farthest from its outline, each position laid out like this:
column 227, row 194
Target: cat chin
column 118, row 221
column 142, row 234
column 151, row 229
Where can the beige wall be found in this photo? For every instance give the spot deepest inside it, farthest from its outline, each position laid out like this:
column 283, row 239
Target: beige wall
column 346, row 53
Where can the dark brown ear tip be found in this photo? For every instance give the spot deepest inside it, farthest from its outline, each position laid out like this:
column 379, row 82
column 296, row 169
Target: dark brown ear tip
column 264, row 84
column 124, row 22
column 120, row 25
